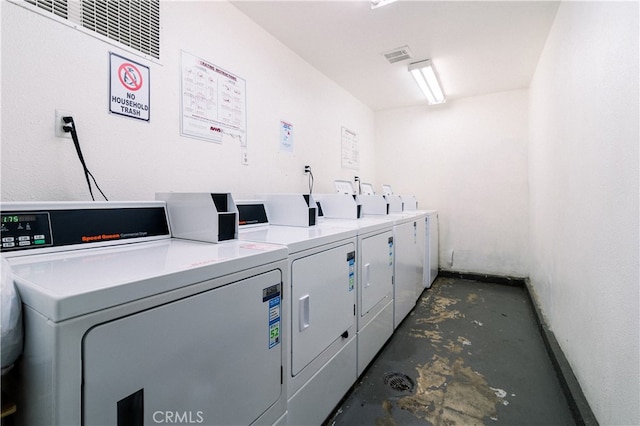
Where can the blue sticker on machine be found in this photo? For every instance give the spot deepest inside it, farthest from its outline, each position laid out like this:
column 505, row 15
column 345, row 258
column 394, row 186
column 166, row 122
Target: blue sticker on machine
column 272, row 295
column 351, row 259
column 274, row 321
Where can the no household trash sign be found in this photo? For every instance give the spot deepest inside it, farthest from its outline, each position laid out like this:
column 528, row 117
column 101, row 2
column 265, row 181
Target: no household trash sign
column 129, row 88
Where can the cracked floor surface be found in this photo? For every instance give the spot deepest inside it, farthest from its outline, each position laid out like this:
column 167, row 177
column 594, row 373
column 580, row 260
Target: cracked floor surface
column 471, row 354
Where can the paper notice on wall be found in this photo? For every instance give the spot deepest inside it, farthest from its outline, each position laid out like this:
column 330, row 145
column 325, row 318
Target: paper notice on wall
column 286, row 136
column 213, row 101
column 350, row 153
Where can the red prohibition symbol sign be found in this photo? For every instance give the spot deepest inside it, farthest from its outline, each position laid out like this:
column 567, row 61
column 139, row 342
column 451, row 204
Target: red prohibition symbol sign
column 130, row 76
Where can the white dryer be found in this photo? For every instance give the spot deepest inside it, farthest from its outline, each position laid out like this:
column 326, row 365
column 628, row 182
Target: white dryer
column 417, row 249
column 126, row 325
column 432, row 244
column 322, row 341
column 375, row 284
column 409, row 245
column 409, row 248
column 375, row 260
column 429, row 228
column 409, row 237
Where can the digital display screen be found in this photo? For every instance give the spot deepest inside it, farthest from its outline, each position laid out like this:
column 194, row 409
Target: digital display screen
column 15, row 218
column 23, row 230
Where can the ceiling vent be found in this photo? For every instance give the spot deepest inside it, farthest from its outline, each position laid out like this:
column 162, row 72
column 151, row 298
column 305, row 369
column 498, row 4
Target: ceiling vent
column 398, row 54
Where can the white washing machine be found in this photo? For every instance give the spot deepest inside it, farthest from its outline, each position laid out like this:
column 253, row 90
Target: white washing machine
column 322, row 341
column 126, row 325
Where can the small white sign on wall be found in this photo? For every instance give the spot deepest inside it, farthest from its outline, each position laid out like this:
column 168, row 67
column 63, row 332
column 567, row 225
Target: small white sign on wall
column 286, row 136
column 129, row 88
column 350, row 152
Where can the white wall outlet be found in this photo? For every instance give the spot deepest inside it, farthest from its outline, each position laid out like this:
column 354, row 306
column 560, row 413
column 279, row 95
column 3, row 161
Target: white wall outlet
column 244, row 153
column 59, row 123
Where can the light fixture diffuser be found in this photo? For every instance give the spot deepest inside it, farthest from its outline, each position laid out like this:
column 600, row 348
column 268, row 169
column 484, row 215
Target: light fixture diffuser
column 426, row 78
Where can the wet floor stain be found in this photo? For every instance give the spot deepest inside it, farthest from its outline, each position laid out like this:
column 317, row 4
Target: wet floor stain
column 435, row 336
column 466, row 363
column 472, row 298
column 440, row 310
column 387, row 420
column 448, row 392
column 453, row 347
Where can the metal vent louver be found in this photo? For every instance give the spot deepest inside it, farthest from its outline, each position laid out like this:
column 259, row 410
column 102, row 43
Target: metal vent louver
column 133, row 23
column 398, row 54
column 57, row 7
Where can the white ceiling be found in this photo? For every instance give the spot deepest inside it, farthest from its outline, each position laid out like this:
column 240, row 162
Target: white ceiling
column 477, row 47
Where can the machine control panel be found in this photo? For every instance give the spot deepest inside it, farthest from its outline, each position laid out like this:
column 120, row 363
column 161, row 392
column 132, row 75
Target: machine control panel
column 25, row 230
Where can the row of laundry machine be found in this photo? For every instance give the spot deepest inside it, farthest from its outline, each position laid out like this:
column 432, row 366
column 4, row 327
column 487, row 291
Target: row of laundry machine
column 198, row 308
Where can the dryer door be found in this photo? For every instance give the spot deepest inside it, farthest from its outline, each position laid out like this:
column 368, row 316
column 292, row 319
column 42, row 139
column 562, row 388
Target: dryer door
column 212, row 358
column 323, row 302
column 409, row 266
column 377, row 270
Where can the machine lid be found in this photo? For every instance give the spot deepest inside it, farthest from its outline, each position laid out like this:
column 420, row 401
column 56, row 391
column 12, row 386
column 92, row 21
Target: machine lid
column 298, row 238
column 68, row 284
column 364, row 225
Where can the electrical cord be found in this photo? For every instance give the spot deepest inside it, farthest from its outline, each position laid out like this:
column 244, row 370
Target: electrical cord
column 70, row 127
column 307, row 169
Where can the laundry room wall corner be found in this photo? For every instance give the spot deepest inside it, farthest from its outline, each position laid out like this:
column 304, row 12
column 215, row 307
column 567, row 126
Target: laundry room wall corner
column 468, row 160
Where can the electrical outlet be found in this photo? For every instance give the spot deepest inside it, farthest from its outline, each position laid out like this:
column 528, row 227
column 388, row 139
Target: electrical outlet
column 59, row 123
column 244, row 153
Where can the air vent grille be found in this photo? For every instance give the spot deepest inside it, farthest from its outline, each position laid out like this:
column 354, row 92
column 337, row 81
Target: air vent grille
column 133, row 23
column 398, row 54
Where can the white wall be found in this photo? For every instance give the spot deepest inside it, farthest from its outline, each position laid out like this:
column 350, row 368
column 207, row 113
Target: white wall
column 47, row 65
column 584, row 199
column 467, row 159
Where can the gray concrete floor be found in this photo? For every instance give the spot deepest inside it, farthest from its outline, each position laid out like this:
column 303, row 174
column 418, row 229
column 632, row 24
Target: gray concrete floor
column 472, row 354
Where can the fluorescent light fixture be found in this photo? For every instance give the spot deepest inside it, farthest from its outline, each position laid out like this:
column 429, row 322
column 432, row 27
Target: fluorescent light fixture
column 380, row 3
column 426, row 78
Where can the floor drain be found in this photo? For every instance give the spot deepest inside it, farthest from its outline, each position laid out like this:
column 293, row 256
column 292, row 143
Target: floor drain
column 399, row 382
